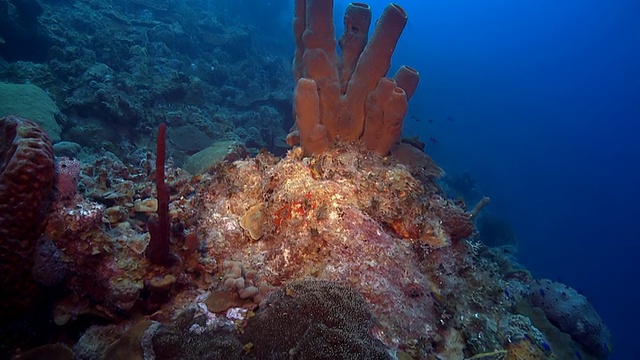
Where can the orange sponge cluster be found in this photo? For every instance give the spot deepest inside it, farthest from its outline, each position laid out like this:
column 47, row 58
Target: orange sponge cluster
column 348, row 97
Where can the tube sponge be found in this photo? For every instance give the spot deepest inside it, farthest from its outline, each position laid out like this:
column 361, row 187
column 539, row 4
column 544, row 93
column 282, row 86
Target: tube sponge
column 27, row 176
column 348, row 88
column 386, row 107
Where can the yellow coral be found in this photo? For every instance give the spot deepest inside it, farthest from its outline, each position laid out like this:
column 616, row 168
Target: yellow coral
column 525, row 350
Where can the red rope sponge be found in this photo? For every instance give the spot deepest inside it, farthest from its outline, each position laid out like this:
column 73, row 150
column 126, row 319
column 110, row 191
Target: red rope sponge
column 158, row 251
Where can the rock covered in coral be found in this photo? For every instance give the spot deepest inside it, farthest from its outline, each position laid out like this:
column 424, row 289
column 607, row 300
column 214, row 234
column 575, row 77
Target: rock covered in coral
column 179, row 340
column 49, row 267
column 346, row 222
column 68, row 174
column 30, row 101
column 347, row 216
column 130, row 64
column 103, row 246
column 572, row 313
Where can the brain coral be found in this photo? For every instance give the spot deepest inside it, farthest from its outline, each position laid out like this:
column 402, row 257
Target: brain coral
column 26, row 184
column 313, row 319
column 572, row 313
column 31, row 102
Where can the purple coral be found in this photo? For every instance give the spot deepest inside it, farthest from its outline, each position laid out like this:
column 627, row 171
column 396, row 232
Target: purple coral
column 572, row 313
column 49, row 267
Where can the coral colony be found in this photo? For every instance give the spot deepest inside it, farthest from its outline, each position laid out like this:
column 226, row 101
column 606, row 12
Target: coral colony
column 346, row 248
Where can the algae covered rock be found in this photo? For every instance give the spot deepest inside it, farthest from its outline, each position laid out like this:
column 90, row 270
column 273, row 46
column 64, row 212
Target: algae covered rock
column 206, row 159
column 572, row 313
column 31, row 102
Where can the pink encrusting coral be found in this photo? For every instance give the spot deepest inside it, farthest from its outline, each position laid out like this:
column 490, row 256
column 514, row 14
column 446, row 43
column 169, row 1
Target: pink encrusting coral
column 68, row 174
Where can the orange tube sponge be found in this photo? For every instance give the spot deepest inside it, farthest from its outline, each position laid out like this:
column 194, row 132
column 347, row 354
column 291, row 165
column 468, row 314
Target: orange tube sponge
column 320, row 59
column 319, row 32
column 344, row 84
column 323, row 70
column 385, row 108
column 357, row 19
column 313, row 135
column 407, row 78
column 299, row 25
column 372, row 65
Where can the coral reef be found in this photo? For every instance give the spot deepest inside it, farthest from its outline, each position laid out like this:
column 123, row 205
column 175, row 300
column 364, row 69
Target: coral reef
column 116, row 69
column 347, row 253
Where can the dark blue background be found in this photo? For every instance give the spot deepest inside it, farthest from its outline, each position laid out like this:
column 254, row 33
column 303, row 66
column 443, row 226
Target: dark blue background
column 545, row 101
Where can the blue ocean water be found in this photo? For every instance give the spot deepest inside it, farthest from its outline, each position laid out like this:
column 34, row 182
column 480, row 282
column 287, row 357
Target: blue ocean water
column 539, row 101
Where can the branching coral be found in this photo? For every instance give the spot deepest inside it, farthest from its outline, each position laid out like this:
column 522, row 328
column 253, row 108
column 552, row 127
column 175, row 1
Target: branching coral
column 348, row 97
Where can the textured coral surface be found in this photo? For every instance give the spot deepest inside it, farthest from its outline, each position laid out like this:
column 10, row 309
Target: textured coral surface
column 26, row 186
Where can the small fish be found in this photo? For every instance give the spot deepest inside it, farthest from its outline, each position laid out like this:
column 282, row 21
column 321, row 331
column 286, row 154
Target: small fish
column 542, row 293
column 436, row 297
column 578, row 355
column 433, row 140
column 507, row 294
column 546, row 347
column 449, row 118
column 415, row 118
column 430, row 120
